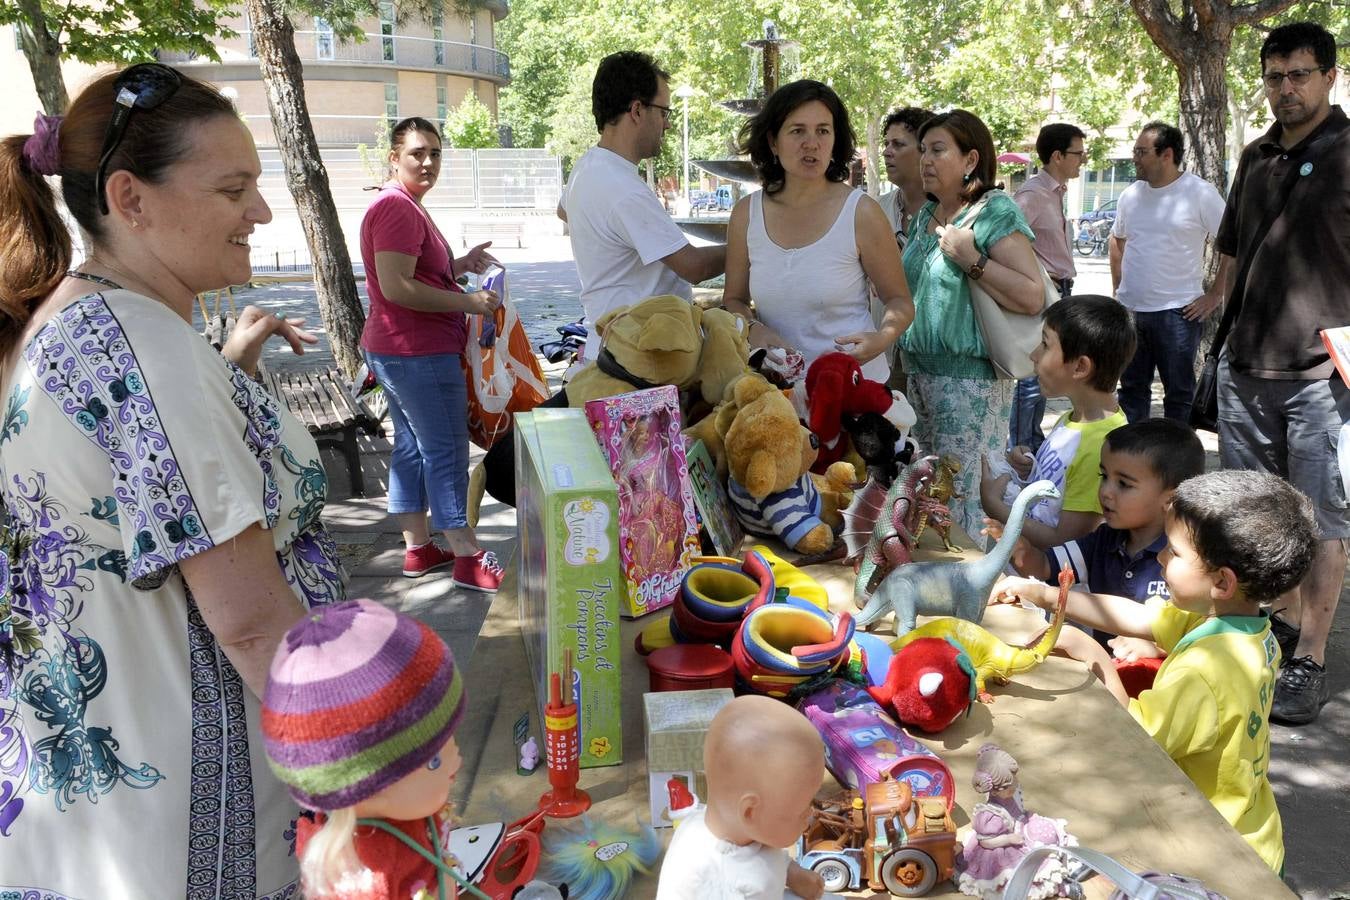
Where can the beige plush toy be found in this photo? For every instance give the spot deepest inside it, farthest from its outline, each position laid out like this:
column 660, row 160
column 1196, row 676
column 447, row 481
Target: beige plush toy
column 769, row 453
column 664, row 340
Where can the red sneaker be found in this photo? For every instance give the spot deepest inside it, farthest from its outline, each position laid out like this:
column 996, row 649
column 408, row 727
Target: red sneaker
column 480, row 572
column 427, row 558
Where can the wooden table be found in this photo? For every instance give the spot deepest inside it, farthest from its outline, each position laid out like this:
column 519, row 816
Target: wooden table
column 1082, row 757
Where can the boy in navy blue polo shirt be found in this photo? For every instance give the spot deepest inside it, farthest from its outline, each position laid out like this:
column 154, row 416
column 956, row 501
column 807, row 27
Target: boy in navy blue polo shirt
column 1142, row 464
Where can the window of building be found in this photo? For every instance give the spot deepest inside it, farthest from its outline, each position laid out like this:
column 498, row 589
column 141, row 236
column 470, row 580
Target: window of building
column 442, row 107
column 252, row 44
column 323, row 39
column 391, row 102
column 438, row 34
column 387, row 29
column 18, row 38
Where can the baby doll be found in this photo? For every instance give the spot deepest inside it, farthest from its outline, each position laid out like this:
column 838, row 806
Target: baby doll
column 764, row 763
column 1005, row 832
column 358, row 719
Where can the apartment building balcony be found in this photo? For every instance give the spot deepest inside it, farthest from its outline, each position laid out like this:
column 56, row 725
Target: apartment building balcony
column 322, row 51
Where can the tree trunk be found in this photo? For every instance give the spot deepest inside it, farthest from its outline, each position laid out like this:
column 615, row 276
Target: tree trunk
column 43, row 50
column 307, row 179
column 873, row 170
column 1204, row 109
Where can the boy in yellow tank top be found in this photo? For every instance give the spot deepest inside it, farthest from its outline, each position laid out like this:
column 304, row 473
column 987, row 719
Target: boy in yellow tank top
column 1234, row 540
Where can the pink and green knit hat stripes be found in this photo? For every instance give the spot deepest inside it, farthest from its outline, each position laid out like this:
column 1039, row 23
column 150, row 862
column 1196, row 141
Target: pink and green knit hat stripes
column 358, row 697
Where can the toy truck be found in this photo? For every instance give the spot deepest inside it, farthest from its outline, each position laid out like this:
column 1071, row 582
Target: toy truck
column 886, row 838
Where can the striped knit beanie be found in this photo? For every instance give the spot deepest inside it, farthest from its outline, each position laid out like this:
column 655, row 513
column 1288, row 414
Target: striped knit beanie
column 358, row 696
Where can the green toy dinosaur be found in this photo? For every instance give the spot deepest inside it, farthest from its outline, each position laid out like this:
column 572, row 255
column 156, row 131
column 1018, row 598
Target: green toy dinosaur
column 991, row 656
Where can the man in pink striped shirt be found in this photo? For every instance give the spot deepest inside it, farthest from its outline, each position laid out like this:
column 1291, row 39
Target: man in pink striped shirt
column 1060, row 148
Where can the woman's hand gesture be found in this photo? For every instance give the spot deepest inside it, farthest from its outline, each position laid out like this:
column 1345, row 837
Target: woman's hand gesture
column 958, row 245
column 480, row 303
column 253, row 328
column 476, row 260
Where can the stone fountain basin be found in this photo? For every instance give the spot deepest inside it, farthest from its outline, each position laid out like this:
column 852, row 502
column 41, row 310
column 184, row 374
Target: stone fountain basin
column 740, row 170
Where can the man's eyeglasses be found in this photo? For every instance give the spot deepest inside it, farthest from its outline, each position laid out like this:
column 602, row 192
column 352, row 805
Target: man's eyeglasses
column 666, row 111
column 143, row 86
column 1137, row 152
column 1075, row 152
column 1297, row 77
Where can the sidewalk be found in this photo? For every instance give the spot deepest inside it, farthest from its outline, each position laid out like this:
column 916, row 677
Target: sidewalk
column 1310, row 766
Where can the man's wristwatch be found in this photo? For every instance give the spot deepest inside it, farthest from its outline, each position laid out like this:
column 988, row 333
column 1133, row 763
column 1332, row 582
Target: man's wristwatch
column 976, row 272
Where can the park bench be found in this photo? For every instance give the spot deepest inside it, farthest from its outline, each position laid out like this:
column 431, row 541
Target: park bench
column 491, row 230
column 320, row 400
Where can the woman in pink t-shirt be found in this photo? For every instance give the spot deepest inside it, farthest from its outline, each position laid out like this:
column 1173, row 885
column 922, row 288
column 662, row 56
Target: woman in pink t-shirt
column 413, row 339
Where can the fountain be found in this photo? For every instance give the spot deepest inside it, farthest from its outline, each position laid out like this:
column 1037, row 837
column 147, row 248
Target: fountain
column 770, row 57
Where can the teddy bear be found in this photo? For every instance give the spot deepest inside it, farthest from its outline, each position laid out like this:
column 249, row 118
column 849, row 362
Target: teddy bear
column 664, row 340
column 768, row 455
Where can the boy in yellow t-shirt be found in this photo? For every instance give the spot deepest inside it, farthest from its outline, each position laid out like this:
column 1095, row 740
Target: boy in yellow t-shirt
column 1234, row 539
column 1086, row 342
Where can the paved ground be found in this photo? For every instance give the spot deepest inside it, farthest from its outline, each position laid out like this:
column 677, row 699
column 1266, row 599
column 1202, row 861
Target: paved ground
column 1310, row 767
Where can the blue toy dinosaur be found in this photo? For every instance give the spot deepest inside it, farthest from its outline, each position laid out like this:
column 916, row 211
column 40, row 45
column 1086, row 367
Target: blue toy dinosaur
column 951, row 588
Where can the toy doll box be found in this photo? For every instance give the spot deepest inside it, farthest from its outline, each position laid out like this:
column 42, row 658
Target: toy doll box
column 676, row 724
column 639, row 433
column 864, row 745
column 571, row 583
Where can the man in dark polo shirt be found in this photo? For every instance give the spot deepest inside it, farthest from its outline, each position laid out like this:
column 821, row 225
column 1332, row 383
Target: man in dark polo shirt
column 1281, row 403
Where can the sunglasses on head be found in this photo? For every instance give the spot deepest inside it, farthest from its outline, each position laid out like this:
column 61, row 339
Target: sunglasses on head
column 143, row 86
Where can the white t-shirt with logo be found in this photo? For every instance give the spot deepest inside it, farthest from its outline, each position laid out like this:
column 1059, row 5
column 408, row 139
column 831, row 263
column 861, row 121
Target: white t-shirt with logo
column 620, row 233
column 1164, row 230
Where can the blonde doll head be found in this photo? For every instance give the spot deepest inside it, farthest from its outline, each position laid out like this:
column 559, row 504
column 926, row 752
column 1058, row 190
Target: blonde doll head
column 358, row 720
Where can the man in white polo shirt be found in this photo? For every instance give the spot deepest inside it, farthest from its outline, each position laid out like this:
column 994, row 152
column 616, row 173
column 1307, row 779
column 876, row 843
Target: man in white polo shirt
column 625, row 244
column 1157, row 271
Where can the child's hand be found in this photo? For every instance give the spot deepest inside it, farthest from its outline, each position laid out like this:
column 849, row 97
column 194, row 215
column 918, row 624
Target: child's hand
column 1078, row 644
column 991, row 491
column 805, row 883
column 1022, row 460
column 1130, row 649
column 1011, row 589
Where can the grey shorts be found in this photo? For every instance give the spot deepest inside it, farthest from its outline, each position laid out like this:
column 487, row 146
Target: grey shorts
column 1290, row 428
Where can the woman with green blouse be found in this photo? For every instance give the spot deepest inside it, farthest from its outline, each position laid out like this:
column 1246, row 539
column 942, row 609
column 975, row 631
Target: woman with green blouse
column 962, row 406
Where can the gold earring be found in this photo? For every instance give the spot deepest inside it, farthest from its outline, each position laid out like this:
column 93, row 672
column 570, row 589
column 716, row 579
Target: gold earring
column 135, row 223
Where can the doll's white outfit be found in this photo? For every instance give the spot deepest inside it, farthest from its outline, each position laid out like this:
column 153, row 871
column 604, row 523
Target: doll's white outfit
column 701, row 866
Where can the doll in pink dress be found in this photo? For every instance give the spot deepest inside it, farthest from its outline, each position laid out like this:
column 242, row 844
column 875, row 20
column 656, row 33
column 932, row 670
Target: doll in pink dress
column 1005, row 831
column 656, row 518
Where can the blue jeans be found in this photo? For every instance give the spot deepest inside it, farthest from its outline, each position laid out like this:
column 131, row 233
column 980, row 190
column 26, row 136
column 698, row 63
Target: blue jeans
column 1165, row 341
column 429, row 465
column 1024, row 428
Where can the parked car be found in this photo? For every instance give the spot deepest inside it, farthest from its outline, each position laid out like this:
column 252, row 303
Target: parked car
column 702, row 201
column 1106, row 211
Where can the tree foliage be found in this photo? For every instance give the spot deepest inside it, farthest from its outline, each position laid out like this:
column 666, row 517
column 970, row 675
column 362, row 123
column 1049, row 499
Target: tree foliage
column 120, row 31
column 470, row 126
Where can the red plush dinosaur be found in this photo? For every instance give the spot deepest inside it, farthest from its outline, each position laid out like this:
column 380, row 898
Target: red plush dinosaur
column 835, row 387
column 930, row 682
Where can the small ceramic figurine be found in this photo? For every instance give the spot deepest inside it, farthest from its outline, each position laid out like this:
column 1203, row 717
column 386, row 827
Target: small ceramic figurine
column 764, row 762
column 358, row 719
column 1004, row 832
column 529, row 755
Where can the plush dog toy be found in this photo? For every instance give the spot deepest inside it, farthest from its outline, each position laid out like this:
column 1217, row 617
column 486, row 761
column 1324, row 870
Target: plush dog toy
column 930, row 682
column 835, row 388
column 769, row 456
column 664, row 340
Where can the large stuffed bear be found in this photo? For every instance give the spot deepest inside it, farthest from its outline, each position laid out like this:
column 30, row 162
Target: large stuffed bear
column 769, row 454
column 664, row 340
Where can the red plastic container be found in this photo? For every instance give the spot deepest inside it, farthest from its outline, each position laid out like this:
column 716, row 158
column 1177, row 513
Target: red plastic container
column 690, row 667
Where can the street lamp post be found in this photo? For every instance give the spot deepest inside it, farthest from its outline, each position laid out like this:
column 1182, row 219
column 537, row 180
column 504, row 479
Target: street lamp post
column 684, row 92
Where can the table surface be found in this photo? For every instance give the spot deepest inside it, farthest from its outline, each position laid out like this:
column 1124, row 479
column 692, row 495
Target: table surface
column 1082, row 757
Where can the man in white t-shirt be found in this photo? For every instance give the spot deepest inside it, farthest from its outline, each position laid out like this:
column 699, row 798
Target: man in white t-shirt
column 625, row 244
column 1157, row 271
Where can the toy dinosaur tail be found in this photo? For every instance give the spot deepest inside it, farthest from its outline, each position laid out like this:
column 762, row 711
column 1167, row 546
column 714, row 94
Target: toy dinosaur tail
column 1047, row 641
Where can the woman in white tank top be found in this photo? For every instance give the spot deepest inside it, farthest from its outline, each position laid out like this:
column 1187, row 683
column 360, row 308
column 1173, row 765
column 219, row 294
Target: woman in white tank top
column 805, row 248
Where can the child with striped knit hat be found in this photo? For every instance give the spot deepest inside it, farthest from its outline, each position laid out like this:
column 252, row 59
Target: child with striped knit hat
column 358, row 719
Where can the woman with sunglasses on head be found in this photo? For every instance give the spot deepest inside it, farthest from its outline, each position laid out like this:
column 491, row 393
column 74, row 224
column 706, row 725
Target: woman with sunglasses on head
column 161, row 513
column 413, row 340
column 805, row 247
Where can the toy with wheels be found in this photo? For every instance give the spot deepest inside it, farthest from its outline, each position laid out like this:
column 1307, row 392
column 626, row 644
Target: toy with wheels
column 886, row 839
